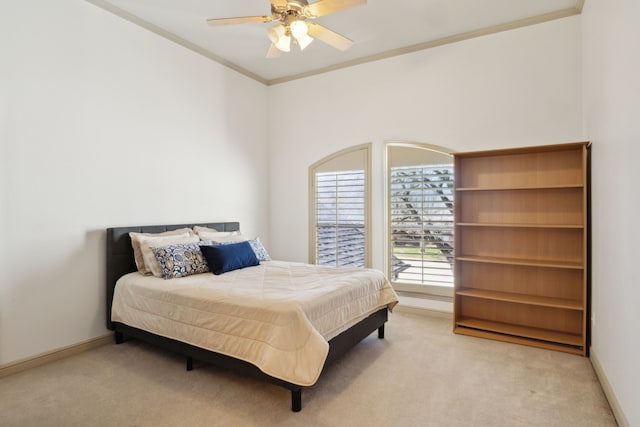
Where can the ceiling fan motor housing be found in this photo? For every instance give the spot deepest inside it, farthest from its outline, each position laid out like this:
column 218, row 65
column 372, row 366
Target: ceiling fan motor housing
column 294, row 10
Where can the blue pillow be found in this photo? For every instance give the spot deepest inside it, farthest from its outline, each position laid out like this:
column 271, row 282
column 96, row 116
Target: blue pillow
column 256, row 245
column 224, row 258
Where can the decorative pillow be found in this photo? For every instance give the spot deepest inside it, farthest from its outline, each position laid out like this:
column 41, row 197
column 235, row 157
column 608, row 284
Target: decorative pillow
column 234, row 256
column 146, row 245
column 135, row 244
column 228, row 239
column 260, row 251
column 181, row 260
column 256, row 245
column 197, row 228
column 219, row 235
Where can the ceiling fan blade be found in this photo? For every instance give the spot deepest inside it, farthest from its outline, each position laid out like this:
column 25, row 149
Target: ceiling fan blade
column 328, row 36
column 273, row 52
column 239, row 20
column 325, row 7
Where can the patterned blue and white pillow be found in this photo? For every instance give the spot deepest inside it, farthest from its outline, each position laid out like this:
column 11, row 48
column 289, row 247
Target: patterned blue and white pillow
column 259, row 249
column 181, row 260
column 256, row 245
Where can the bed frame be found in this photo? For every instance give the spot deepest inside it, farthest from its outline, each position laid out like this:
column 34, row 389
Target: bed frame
column 120, row 261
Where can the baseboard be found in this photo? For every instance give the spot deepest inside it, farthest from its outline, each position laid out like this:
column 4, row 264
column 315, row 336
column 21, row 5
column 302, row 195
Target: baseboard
column 422, row 311
column 425, row 306
column 51, row 356
column 618, row 413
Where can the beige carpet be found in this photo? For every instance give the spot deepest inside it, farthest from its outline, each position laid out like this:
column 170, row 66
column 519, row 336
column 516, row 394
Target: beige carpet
column 420, row 375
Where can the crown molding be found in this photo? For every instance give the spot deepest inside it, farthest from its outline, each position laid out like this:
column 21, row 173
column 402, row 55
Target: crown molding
column 174, row 38
column 539, row 19
column 546, row 17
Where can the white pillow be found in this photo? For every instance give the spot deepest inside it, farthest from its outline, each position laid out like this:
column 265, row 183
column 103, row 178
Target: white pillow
column 146, row 243
column 228, row 239
column 135, row 244
column 198, row 228
column 220, row 236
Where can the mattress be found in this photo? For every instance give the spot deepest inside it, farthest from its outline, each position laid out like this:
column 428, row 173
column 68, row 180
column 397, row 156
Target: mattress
column 278, row 315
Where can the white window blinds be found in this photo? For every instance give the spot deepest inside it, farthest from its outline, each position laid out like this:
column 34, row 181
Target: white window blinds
column 420, row 218
column 340, row 218
column 340, row 208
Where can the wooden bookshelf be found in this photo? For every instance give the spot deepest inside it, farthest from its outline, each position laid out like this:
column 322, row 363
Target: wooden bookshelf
column 521, row 235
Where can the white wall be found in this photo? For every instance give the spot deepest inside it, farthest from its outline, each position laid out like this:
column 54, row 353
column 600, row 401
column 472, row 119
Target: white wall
column 514, row 88
column 611, row 93
column 103, row 123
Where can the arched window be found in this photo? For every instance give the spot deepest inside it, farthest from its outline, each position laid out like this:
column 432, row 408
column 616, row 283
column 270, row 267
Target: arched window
column 420, row 218
column 339, row 209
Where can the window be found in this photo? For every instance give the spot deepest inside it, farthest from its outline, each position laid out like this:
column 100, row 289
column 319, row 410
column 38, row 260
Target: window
column 416, row 214
column 340, row 218
column 420, row 218
column 339, row 209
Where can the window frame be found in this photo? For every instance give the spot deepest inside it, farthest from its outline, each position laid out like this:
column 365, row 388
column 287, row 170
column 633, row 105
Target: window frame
column 430, row 290
column 336, row 157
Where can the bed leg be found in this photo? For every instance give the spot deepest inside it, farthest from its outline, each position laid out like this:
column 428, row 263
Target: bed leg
column 119, row 337
column 381, row 332
column 296, row 400
column 189, row 363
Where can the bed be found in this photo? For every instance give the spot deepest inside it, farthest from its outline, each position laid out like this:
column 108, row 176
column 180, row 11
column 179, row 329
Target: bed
column 313, row 325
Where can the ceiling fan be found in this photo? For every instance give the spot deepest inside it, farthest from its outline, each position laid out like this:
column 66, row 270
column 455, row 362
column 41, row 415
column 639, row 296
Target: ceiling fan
column 295, row 19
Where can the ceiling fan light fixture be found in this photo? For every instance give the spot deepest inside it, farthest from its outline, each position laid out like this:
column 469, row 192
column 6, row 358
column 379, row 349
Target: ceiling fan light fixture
column 299, row 29
column 304, row 41
column 284, row 43
column 280, row 37
column 275, row 33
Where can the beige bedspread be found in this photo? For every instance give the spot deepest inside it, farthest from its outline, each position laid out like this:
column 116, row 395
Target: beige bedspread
column 277, row 316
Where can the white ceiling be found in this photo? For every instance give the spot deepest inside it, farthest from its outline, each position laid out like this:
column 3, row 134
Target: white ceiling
column 380, row 29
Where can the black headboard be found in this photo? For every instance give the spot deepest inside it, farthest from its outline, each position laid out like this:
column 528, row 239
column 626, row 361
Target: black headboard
column 120, row 259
